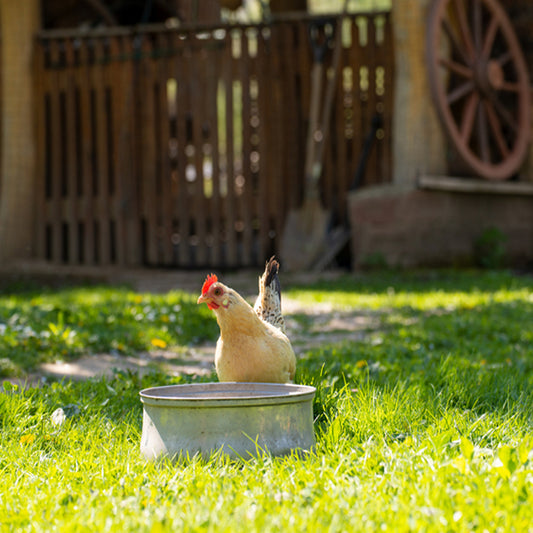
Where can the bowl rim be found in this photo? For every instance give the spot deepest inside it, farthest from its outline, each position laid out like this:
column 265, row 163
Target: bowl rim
column 219, row 394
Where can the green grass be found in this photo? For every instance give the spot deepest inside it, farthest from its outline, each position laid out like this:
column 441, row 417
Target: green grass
column 424, row 425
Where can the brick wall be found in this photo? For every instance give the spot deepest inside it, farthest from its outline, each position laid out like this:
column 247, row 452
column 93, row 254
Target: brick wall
column 437, row 228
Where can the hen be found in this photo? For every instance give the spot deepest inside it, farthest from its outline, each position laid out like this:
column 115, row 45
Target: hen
column 252, row 345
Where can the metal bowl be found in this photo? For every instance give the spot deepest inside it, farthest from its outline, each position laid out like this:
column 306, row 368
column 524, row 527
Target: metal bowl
column 241, row 419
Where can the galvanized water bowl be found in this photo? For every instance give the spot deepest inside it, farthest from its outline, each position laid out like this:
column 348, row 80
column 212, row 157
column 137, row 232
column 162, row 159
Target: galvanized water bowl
column 241, row 419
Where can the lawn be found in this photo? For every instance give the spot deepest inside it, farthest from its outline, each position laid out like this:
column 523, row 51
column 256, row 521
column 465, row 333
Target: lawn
column 424, row 424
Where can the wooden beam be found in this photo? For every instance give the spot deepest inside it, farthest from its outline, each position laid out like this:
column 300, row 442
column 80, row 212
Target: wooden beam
column 18, row 23
column 419, row 145
column 475, row 186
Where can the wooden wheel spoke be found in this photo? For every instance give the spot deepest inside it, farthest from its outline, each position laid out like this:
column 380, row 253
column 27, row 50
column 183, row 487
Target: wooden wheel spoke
column 503, row 59
column 477, row 26
column 483, row 135
column 489, row 37
column 510, row 86
column 468, row 117
column 460, row 91
column 504, row 114
column 466, row 36
column 496, row 129
column 455, row 67
column 454, row 40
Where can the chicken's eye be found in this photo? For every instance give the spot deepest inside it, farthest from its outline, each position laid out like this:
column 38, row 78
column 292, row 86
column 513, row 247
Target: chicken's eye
column 217, row 291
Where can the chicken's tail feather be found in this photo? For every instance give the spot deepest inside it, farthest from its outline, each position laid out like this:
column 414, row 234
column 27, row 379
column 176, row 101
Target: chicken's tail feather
column 271, row 276
column 268, row 303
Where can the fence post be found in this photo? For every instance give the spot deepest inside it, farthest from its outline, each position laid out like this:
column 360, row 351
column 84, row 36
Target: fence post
column 18, row 23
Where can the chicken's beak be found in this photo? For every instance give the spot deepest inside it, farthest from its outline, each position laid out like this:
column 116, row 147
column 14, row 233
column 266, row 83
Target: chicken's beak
column 203, row 299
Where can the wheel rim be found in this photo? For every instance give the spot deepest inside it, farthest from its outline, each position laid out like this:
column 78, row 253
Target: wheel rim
column 479, row 84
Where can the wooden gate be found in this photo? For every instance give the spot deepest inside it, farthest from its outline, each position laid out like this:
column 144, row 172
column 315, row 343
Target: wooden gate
column 185, row 147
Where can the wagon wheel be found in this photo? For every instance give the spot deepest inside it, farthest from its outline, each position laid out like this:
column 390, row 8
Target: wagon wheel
column 479, row 84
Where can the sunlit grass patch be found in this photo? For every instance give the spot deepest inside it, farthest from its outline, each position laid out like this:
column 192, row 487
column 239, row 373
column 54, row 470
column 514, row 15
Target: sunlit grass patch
column 436, row 291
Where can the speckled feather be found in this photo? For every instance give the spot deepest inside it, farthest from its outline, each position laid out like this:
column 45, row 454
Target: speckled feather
column 268, row 303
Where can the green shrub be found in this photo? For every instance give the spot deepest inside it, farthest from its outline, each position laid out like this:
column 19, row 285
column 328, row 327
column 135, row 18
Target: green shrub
column 489, row 248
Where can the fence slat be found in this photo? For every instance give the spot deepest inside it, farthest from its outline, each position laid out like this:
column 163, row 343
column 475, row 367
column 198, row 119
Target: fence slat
column 266, row 104
column 249, row 154
column 371, row 97
column 229, row 204
column 56, row 170
column 292, row 128
column 71, row 153
column 198, row 90
column 386, row 60
column 148, row 135
column 164, row 170
column 86, row 212
column 341, row 108
column 103, row 208
column 356, row 58
column 183, row 202
column 212, row 105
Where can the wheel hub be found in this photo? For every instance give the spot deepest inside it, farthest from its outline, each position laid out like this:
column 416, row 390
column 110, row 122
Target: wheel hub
column 488, row 76
column 495, row 75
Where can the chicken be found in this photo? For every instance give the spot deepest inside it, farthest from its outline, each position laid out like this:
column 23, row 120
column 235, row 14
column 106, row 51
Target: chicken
column 252, row 345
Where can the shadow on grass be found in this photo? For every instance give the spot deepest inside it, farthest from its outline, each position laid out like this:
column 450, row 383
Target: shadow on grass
column 415, row 281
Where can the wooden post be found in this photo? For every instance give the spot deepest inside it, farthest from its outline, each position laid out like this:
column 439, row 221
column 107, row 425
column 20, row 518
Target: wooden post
column 419, row 146
column 18, row 23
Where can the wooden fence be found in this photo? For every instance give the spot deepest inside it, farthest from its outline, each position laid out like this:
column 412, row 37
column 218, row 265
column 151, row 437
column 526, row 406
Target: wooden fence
column 185, row 147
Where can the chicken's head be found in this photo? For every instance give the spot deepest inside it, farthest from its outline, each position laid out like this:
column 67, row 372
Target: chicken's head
column 214, row 293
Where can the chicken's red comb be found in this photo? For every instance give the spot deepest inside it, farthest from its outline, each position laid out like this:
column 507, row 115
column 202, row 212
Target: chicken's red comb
column 208, row 282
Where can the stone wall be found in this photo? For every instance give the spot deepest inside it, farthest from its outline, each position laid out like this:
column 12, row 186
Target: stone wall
column 405, row 227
